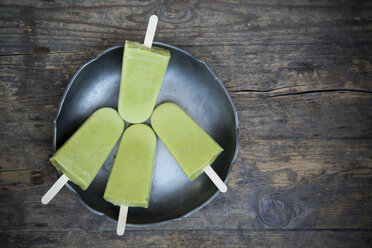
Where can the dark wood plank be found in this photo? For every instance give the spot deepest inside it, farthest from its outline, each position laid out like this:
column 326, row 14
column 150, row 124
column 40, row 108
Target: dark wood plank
column 299, row 72
column 275, row 47
column 189, row 238
column 311, row 115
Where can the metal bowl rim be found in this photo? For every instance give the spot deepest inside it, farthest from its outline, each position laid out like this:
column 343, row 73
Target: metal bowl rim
column 206, row 66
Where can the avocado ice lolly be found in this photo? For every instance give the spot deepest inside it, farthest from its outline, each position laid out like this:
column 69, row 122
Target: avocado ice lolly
column 189, row 144
column 142, row 74
column 130, row 180
column 83, row 154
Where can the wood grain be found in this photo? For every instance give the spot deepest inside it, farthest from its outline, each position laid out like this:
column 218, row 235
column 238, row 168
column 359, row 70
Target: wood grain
column 187, row 238
column 299, row 73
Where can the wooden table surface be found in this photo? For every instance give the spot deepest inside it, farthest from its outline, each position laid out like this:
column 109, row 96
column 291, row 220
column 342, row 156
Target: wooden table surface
column 299, row 73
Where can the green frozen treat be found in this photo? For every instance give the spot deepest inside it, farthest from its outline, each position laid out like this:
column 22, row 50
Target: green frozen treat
column 141, row 78
column 83, row 154
column 130, row 180
column 189, row 144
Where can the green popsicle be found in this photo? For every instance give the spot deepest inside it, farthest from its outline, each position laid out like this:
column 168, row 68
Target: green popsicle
column 130, row 180
column 189, row 144
column 83, row 154
column 141, row 78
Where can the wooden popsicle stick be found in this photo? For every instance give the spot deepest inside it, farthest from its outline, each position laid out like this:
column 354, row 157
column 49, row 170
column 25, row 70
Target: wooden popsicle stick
column 122, row 220
column 215, row 178
column 150, row 32
column 57, row 186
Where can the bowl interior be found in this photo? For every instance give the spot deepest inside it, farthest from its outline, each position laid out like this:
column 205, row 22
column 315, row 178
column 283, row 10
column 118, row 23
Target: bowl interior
column 189, row 83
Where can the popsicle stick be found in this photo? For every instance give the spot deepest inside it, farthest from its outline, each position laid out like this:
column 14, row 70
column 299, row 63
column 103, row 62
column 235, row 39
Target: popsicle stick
column 150, row 33
column 57, row 186
column 122, row 220
column 215, row 178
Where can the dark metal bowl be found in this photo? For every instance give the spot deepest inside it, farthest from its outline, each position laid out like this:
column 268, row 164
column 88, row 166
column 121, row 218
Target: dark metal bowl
column 188, row 82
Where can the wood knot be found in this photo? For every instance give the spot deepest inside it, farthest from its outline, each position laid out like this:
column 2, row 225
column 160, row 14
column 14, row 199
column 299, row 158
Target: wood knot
column 274, row 211
column 179, row 4
column 37, row 180
column 175, row 11
column 269, row 84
